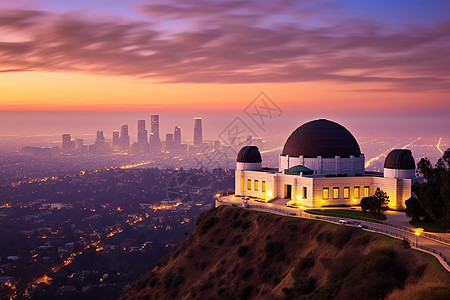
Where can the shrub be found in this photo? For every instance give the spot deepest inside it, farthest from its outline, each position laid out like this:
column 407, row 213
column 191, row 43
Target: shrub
column 242, row 250
column 246, row 292
column 304, row 264
column 236, row 223
column 343, row 235
column 324, row 236
column 302, row 286
column 246, row 225
column 406, row 243
column 274, row 248
column 207, row 223
column 247, row 273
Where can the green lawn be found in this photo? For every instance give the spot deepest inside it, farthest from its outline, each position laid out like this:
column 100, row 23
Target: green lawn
column 343, row 213
column 427, row 226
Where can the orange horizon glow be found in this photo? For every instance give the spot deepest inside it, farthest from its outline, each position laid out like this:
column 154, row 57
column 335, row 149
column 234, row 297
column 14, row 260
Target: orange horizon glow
column 59, row 91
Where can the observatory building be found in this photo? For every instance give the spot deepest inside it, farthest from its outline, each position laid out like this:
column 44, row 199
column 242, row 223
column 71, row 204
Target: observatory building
column 322, row 165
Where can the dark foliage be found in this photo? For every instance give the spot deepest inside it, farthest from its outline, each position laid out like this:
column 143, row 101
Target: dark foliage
column 434, row 194
column 242, row 251
column 376, row 203
column 413, row 209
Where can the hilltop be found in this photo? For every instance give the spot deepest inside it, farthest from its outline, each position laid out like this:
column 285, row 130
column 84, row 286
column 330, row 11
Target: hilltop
column 239, row 254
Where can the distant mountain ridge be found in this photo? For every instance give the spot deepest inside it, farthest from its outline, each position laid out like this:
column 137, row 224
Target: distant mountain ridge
column 239, row 254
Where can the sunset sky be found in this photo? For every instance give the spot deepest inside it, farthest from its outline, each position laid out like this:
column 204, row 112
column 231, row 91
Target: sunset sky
column 209, row 55
column 315, row 58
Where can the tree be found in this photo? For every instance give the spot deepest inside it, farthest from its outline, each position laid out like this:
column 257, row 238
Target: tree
column 434, row 193
column 413, row 209
column 379, row 202
column 376, row 203
column 365, row 203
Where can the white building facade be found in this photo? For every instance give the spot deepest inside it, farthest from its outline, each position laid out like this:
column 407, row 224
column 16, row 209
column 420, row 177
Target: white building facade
column 319, row 172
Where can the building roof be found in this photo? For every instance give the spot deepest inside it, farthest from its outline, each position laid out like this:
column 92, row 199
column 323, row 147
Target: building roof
column 321, row 138
column 249, row 154
column 400, row 159
column 296, row 170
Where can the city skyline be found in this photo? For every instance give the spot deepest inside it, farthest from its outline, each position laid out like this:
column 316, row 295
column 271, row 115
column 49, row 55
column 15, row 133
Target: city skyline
column 342, row 56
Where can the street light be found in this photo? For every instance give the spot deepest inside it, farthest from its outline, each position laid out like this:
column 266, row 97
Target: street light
column 418, row 232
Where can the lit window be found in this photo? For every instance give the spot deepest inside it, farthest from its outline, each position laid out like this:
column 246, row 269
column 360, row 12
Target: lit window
column 249, row 184
column 256, row 185
column 263, row 186
column 366, row 191
column 335, row 193
column 305, row 192
column 346, row 192
column 325, row 194
column 356, row 192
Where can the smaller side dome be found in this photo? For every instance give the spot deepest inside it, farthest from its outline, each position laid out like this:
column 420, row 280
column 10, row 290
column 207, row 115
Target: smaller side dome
column 249, row 154
column 400, row 159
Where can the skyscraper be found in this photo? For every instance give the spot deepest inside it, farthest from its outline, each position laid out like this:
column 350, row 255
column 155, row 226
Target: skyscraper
column 79, row 144
column 116, row 140
column 155, row 142
column 142, row 133
column 66, row 142
column 177, row 136
column 124, row 138
column 198, row 135
column 100, row 141
column 169, row 142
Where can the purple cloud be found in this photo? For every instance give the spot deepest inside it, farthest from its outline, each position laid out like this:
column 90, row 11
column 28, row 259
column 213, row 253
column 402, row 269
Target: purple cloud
column 228, row 42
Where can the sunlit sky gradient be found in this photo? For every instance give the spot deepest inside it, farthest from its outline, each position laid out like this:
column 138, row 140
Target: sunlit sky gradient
column 311, row 57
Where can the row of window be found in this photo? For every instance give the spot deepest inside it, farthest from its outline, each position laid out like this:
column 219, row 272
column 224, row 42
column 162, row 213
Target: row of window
column 256, row 185
column 356, row 192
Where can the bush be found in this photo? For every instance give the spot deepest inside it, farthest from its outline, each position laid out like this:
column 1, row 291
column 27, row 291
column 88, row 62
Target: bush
column 236, row 223
column 343, row 235
column 246, row 292
column 246, row 225
column 304, row 264
column 242, row 251
column 207, row 223
column 302, row 286
column 247, row 273
column 274, row 248
column 406, row 243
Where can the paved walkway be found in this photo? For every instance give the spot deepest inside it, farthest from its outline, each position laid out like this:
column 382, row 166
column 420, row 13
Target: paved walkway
column 396, row 225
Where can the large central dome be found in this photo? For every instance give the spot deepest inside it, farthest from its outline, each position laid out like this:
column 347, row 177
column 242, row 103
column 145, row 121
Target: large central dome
column 321, row 138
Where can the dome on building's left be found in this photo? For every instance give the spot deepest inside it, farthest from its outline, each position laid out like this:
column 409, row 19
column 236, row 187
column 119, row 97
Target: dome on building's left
column 249, row 154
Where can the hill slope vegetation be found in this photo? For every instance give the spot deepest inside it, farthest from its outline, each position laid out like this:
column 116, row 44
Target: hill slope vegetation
column 240, row 254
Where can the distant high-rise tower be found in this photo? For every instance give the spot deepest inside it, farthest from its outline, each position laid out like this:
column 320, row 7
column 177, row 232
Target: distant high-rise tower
column 79, row 144
column 124, row 138
column 177, row 136
column 198, row 135
column 100, row 141
column 66, row 145
column 116, row 140
column 155, row 142
column 169, row 142
column 142, row 132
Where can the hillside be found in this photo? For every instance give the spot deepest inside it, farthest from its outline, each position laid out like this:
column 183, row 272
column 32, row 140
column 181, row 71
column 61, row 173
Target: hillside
column 241, row 254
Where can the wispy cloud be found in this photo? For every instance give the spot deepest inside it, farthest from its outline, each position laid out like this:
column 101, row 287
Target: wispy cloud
column 230, row 42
